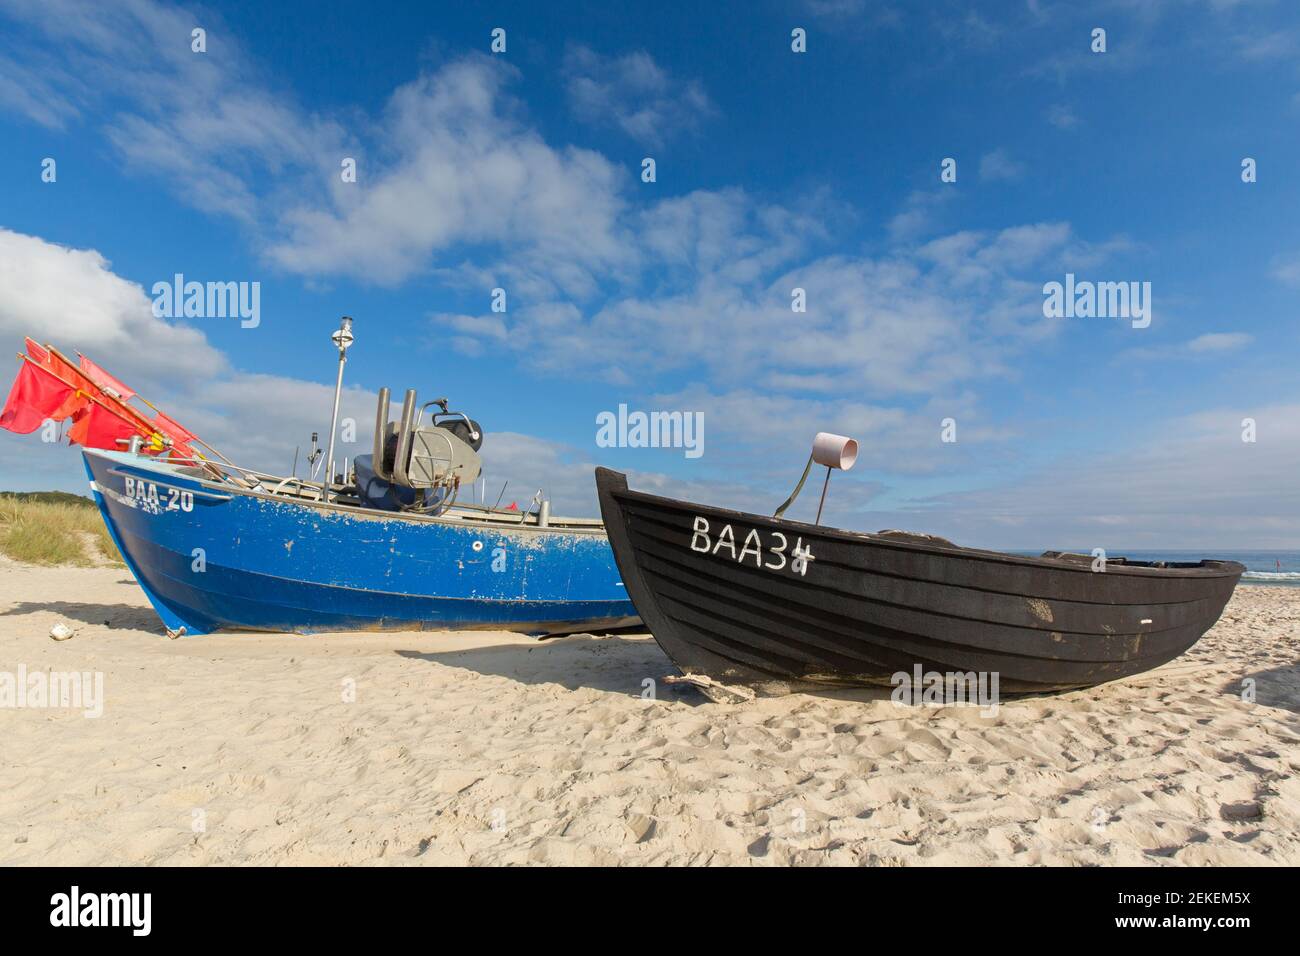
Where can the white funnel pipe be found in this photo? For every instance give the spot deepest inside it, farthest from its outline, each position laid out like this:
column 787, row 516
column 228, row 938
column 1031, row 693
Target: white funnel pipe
column 834, row 451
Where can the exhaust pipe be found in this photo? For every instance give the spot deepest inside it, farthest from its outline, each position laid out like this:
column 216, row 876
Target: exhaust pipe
column 381, row 426
column 404, row 436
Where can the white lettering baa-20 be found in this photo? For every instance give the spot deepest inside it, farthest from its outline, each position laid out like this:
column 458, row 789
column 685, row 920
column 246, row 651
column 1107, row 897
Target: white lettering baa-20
column 145, row 495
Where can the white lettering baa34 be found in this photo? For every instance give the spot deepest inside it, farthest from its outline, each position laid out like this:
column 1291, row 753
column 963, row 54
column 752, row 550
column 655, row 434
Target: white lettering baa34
column 753, row 546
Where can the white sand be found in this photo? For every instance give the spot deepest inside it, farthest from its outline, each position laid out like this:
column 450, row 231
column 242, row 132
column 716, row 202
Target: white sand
column 551, row 742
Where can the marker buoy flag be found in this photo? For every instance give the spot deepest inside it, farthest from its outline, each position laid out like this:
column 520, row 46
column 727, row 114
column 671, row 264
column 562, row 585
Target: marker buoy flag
column 37, row 395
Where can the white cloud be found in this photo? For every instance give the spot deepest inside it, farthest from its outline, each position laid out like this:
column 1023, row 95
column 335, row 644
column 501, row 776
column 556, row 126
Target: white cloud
column 835, row 8
column 204, row 122
column 1147, row 35
column 72, row 299
column 1192, row 483
column 765, row 432
column 1286, row 269
column 447, row 163
column 1062, row 116
column 462, row 171
column 907, row 322
column 1275, row 45
column 633, row 93
column 72, row 296
column 1219, row 342
column 1210, row 345
column 856, row 14
column 34, row 92
column 972, row 30
column 919, row 215
column 998, row 165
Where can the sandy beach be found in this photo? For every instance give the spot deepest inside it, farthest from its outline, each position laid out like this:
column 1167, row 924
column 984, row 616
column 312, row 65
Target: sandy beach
column 493, row 748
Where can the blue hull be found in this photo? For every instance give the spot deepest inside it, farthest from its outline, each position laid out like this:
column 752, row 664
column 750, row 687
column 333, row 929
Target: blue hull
column 210, row 557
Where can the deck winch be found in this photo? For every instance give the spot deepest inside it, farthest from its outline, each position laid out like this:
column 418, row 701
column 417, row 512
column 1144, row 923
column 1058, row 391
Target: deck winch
column 419, row 467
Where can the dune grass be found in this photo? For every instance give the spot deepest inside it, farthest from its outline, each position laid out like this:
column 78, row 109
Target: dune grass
column 52, row 531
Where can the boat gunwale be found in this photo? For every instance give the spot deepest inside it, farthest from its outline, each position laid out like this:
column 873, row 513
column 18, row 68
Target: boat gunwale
column 1206, row 568
column 595, row 528
column 656, row 521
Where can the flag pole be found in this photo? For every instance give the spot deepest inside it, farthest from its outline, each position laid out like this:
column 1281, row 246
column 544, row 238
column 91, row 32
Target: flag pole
column 82, row 355
column 94, row 398
column 122, row 405
column 196, row 438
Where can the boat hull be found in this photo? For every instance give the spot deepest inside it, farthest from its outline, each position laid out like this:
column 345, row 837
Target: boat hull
column 211, row 559
column 725, row 598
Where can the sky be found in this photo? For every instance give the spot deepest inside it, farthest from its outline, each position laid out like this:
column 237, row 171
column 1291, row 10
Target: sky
column 776, row 169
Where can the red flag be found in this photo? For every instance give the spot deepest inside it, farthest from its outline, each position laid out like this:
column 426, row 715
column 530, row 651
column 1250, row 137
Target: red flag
column 72, row 373
column 104, row 380
column 37, row 352
column 36, row 396
column 71, row 405
column 179, row 436
column 94, row 426
column 177, row 433
column 49, row 386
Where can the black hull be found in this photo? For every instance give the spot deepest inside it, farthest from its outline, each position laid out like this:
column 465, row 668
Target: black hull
column 867, row 607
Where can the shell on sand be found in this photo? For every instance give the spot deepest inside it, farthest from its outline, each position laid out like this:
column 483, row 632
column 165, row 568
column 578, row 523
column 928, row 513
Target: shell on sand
column 493, row 748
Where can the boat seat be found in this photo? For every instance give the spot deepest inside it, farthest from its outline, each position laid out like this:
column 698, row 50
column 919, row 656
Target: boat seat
column 915, row 537
column 1078, row 558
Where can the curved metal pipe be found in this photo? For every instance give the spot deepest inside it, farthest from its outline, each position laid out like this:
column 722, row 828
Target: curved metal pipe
column 404, row 434
column 473, row 432
column 420, row 419
column 381, row 426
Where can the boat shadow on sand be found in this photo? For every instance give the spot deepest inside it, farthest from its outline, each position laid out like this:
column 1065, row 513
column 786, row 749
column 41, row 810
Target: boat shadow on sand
column 615, row 663
column 620, row 663
column 116, row 616
column 1275, row 687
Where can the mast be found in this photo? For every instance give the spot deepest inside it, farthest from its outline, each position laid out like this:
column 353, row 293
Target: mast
column 341, row 338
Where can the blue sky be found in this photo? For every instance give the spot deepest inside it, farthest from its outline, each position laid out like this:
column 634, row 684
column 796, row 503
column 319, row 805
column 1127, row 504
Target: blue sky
column 775, row 170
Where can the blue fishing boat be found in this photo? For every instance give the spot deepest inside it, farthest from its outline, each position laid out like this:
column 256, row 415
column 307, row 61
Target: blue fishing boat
column 213, row 555
column 384, row 543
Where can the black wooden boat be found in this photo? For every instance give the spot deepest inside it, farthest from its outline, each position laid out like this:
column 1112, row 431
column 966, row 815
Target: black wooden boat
column 752, row 600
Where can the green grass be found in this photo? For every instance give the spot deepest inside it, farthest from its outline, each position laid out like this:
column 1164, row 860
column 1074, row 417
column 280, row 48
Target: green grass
column 104, row 543
column 49, row 497
column 53, row 527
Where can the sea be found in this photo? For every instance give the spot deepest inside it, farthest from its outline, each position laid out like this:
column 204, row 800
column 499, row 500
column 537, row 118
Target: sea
column 1281, row 568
